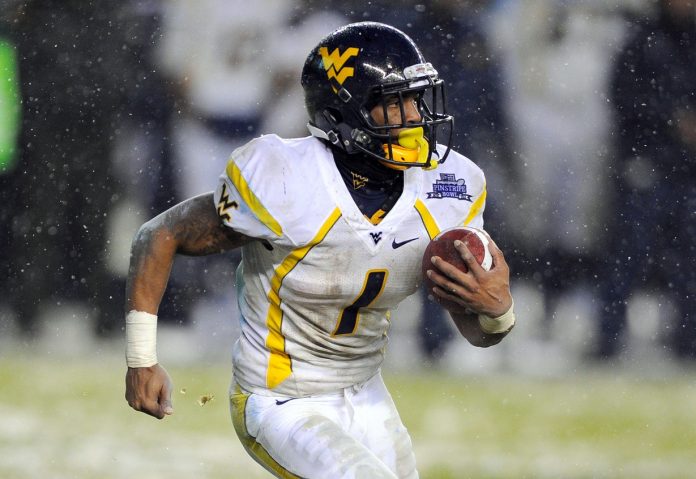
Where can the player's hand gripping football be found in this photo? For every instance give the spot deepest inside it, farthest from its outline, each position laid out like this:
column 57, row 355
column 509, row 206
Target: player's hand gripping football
column 477, row 291
column 149, row 390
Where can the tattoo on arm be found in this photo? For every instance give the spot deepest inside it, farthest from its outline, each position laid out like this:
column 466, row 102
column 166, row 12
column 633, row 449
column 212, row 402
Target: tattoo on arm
column 190, row 228
column 197, row 229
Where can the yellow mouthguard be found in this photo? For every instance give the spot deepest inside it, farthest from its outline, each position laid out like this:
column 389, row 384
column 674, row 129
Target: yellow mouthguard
column 412, row 147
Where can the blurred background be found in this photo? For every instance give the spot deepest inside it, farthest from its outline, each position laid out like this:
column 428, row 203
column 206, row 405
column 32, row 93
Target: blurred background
column 582, row 113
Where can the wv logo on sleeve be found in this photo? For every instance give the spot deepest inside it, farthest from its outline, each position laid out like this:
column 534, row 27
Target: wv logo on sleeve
column 334, row 64
column 225, row 204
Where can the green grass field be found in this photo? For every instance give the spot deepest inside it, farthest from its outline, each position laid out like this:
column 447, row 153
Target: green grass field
column 68, row 419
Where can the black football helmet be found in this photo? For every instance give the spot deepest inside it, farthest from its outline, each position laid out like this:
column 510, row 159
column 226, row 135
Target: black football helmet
column 361, row 66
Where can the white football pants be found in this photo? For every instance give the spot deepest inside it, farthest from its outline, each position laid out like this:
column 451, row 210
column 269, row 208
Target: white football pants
column 355, row 433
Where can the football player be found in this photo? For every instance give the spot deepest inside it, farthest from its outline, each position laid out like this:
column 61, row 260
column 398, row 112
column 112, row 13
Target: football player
column 332, row 229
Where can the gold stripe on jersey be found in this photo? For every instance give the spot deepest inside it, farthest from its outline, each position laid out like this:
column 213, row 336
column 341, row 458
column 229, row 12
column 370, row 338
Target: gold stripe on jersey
column 428, row 221
column 476, row 207
column 235, row 175
column 279, row 366
column 238, row 400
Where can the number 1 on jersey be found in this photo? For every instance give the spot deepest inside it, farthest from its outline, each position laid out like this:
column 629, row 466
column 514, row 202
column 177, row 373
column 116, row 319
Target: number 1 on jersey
column 372, row 288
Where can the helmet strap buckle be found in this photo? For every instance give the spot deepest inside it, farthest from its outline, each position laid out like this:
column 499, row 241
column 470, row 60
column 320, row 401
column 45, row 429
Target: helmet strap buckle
column 344, row 95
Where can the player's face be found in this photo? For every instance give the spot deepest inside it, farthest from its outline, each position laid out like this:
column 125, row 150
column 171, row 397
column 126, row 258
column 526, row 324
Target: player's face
column 389, row 112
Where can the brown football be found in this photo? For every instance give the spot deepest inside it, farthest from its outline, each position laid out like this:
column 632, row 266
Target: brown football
column 443, row 246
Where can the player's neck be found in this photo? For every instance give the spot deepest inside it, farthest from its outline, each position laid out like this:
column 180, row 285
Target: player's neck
column 374, row 187
column 360, row 171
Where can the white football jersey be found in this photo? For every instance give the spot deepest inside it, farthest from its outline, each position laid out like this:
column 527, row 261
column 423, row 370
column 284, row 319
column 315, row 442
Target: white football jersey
column 316, row 292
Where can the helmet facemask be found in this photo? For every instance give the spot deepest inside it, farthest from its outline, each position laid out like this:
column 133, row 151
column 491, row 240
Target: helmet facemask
column 407, row 143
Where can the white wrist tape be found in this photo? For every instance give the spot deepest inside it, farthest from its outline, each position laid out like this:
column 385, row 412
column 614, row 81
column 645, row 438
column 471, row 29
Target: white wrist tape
column 141, row 339
column 501, row 324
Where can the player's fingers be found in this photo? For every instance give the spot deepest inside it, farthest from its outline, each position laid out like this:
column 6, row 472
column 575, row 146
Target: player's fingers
column 153, row 409
column 449, row 298
column 448, row 276
column 136, row 395
column 147, row 406
column 165, row 399
column 443, row 270
column 144, row 391
column 468, row 257
column 446, row 293
column 447, row 289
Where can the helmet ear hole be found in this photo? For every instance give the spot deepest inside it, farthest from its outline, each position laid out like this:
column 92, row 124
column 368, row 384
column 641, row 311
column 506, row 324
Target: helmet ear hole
column 332, row 115
column 327, row 119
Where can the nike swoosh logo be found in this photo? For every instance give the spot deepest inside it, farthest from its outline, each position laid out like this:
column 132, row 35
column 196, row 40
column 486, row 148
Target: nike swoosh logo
column 279, row 403
column 400, row 244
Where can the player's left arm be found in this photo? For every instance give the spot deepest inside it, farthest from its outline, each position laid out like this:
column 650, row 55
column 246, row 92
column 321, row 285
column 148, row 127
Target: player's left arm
column 190, row 228
column 193, row 227
column 479, row 301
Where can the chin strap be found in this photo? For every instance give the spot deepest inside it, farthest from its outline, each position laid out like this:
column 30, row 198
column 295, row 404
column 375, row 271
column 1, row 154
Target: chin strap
column 411, row 148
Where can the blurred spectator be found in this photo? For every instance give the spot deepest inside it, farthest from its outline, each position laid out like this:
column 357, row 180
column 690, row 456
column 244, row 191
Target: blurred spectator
column 75, row 85
column 222, row 56
column 653, row 233
column 66, row 56
column 557, row 60
column 141, row 152
column 285, row 112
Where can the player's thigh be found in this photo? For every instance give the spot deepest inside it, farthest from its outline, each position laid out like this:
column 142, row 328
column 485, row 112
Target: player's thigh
column 304, row 438
column 312, row 445
column 384, row 434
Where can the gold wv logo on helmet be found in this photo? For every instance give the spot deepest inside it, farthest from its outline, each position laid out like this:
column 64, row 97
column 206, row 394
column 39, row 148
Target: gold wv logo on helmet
column 334, row 64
